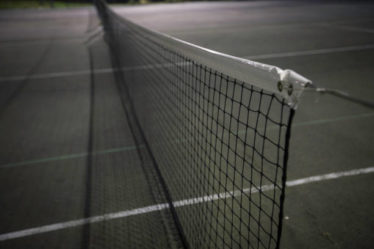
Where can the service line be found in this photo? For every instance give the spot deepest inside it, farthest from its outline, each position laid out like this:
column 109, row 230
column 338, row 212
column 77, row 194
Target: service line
column 177, row 204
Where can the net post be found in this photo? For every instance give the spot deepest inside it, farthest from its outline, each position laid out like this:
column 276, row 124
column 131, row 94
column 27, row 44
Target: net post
column 284, row 176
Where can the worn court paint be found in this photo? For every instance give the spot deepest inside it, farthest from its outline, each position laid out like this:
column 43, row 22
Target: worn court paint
column 87, row 72
column 177, row 204
column 144, row 67
column 131, row 148
column 71, row 156
column 54, row 75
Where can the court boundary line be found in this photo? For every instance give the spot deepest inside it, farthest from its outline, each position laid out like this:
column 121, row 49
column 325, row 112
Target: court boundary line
column 4, row 79
column 312, row 52
column 347, row 27
column 133, row 147
column 178, row 204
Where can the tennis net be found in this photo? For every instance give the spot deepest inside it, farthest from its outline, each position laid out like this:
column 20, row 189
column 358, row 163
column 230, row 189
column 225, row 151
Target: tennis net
column 217, row 128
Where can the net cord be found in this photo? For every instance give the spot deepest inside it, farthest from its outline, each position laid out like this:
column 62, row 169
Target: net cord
column 342, row 95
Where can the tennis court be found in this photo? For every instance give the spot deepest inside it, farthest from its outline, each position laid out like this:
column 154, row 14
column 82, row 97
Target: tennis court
column 74, row 173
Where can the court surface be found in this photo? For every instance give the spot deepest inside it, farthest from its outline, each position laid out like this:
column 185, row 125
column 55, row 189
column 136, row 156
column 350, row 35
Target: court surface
column 66, row 149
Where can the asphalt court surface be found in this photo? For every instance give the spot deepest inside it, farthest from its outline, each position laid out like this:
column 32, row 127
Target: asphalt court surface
column 53, row 128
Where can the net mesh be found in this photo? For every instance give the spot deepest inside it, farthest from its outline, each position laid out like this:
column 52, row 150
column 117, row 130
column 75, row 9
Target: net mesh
column 218, row 145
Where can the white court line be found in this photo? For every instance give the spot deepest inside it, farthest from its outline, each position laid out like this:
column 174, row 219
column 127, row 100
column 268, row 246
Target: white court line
column 80, row 222
column 94, row 35
column 253, row 57
column 311, row 52
column 181, row 203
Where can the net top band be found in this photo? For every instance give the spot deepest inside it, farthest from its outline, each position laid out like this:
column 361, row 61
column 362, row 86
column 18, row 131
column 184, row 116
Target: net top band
column 283, row 82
